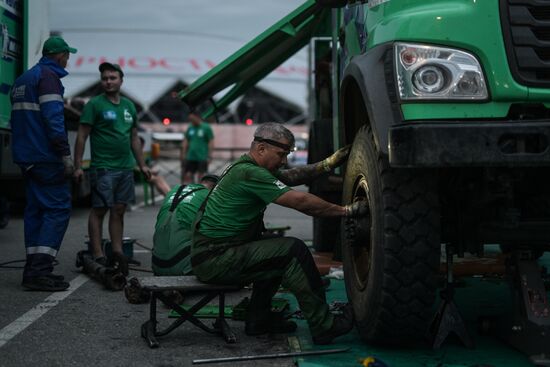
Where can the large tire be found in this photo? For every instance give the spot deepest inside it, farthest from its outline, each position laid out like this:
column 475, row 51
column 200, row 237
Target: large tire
column 391, row 257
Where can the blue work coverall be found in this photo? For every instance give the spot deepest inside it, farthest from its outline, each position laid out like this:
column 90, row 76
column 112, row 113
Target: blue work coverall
column 39, row 144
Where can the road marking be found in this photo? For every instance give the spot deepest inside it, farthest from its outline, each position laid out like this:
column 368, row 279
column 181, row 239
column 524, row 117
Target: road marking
column 17, row 326
column 141, row 251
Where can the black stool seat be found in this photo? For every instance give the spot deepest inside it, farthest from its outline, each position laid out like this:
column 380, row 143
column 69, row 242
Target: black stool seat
column 157, row 285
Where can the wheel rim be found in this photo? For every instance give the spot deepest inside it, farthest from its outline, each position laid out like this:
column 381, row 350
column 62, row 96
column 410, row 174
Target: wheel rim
column 358, row 233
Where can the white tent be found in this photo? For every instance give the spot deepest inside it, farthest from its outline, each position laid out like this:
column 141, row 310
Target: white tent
column 155, row 61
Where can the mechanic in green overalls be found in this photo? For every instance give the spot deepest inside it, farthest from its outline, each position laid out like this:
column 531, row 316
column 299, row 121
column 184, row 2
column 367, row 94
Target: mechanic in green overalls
column 227, row 244
column 172, row 236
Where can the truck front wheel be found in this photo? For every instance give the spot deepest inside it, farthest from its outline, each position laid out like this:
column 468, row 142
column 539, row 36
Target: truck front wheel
column 391, row 256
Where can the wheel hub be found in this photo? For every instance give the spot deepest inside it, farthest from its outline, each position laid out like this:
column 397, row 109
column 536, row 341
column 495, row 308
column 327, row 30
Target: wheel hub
column 358, row 235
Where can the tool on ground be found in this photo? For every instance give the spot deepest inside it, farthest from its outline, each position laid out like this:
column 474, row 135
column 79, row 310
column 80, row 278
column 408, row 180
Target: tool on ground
column 373, row 362
column 158, row 285
column 269, row 356
column 109, row 277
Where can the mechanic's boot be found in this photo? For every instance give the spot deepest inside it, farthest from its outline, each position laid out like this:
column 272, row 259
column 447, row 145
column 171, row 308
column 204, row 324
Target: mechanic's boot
column 273, row 324
column 58, row 277
column 341, row 325
column 44, row 283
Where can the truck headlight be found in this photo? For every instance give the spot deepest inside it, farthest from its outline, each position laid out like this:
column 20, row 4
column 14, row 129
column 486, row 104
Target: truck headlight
column 430, row 72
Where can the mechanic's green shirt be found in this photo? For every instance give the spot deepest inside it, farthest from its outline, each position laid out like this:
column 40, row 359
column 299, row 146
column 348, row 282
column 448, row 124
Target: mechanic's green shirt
column 173, row 235
column 111, row 134
column 187, row 209
column 239, row 199
column 198, row 138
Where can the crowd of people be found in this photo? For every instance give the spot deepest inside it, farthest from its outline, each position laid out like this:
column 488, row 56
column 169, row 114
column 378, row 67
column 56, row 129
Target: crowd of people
column 208, row 226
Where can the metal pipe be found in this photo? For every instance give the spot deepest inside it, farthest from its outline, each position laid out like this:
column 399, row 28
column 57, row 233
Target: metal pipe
column 269, row 356
column 111, row 278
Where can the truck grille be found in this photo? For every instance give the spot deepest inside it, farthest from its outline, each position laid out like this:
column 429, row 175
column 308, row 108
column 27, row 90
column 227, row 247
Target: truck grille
column 526, row 29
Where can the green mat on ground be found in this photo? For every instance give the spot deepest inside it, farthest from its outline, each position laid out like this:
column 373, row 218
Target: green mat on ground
column 236, row 312
column 477, row 297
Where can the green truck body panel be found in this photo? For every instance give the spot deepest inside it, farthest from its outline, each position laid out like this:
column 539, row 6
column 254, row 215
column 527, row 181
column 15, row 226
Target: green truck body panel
column 11, row 62
column 23, row 29
column 472, row 26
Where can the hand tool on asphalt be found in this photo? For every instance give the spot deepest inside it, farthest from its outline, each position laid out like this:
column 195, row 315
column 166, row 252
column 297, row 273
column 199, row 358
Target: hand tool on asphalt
column 373, row 362
column 270, row 356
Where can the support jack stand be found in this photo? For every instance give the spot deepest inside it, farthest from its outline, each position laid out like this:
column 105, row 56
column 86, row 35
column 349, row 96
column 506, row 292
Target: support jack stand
column 448, row 318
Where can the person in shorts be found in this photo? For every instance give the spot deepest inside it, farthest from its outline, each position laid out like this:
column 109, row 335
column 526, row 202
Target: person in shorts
column 111, row 122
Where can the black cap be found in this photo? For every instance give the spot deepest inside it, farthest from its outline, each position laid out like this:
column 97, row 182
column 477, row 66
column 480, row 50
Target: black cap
column 108, row 66
column 210, row 177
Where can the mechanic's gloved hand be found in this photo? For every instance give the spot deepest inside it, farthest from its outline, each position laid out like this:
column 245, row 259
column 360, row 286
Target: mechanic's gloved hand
column 357, row 209
column 68, row 167
column 337, row 158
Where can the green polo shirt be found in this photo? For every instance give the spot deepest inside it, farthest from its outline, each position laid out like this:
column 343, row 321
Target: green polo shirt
column 239, row 199
column 111, row 134
column 187, row 209
column 198, row 138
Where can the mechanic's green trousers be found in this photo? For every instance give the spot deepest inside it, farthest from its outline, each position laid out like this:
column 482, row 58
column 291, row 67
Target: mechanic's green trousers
column 261, row 262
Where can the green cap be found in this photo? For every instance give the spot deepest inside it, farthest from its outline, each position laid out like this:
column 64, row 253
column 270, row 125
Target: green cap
column 108, row 66
column 55, row 45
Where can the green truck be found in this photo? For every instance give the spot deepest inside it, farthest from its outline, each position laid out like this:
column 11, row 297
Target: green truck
column 21, row 47
column 447, row 105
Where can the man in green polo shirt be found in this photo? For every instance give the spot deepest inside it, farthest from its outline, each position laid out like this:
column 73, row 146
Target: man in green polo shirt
column 172, row 237
column 111, row 122
column 196, row 150
column 227, row 244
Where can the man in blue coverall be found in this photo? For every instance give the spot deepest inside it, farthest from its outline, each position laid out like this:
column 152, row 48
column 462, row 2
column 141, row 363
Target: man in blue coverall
column 41, row 149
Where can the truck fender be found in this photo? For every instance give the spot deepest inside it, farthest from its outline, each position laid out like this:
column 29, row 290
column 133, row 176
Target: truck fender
column 372, row 75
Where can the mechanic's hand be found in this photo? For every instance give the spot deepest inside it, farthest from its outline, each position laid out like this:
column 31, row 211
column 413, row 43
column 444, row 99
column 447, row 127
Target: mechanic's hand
column 78, row 174
column 357, row 209
column 146, row 172
column 337, row 158
column 68, row 166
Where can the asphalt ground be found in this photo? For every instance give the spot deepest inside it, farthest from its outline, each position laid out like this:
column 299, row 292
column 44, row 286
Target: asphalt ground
column 88, row 325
